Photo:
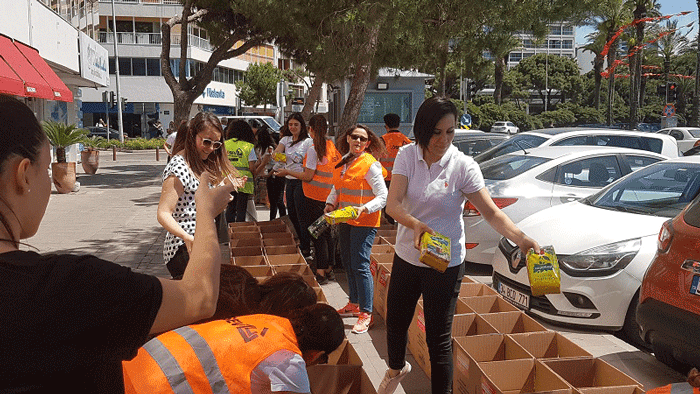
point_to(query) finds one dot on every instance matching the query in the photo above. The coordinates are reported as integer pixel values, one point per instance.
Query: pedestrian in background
(432, 180)
(358, 181)
(393, 141)
(172, 135)
(200, 149)
(317, 179)
(68, 321)
(264, 146)
(275, 184)
(294, 146)
(241, 153)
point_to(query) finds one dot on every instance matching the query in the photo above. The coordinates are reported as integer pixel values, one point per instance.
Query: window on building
(527, 43)
(567, 44)
(567, 30)
(124, 27)
(112, 65)
(515, 57)
(153, 67)
(554, 44)
(138, 66)
(175, 66)
(555, 30)
(125, 66)
(144, 27)
(377, 104)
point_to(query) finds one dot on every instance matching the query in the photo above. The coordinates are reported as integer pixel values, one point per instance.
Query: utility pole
(120, 123)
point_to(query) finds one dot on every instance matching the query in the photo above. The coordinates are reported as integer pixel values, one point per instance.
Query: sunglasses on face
(206, 142)
(359, 137)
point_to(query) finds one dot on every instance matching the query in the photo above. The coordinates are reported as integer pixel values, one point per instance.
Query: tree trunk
(312, 98)
(695, 116)
(636, 67)
(598, 68)
(499, 70)
(363, 70)
(442, 66)
(611, 81)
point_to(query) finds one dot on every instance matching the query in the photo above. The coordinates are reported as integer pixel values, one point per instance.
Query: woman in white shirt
(294, 146)
(430, 184)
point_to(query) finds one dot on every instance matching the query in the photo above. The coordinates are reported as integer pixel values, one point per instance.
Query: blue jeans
(355, 248)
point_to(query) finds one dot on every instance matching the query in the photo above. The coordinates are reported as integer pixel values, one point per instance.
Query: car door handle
(568, 198)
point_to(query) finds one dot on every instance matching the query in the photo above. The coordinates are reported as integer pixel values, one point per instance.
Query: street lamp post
(116, 69)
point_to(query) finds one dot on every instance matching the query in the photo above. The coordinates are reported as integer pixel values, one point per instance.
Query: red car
(669, 299)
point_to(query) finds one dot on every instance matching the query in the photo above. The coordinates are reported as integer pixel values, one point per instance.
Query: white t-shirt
(436, 196)
(312, 158)
(282, 371)
(171, 139)
(295, 153)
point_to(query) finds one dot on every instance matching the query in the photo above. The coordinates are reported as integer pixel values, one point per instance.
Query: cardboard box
(520, 376)
(272, 227)
(375, 259)
(589, 372)
(345, 354)
(513, 322)
(488, 304)
(339, 379)
(383, 232)
(462, 309)
(381, 289)
(249, 260)
(320, 297)
(278, 235)
(262, 279)
(471, 324)
(383, 248)
(475, 290)
(241, 234)
(311, 280)
(288, 249)
(259, 270)
(389, 239)
(243, 242)
(610, 390)
(468, 279)
(468, 352)
(549, 344)
(246, 251)
(300, 269)
(279, 241)
(242, 225)
(286, 259)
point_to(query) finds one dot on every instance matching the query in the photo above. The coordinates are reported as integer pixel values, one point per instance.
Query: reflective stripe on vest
(393, 141)
(675, 388)
(238, 153)
(354, 190)
(320, 186)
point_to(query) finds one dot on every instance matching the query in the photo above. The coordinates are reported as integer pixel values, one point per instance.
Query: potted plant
(90, 156)
(61, 136)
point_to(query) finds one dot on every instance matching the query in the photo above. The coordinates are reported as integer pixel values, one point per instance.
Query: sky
(667, 7)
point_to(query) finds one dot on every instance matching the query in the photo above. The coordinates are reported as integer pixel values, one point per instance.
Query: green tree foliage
(561, 75)
(260, 84)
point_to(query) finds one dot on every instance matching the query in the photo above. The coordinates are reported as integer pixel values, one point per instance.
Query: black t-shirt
(68, 321)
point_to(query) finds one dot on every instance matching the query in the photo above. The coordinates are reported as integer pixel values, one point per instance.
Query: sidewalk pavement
(113, 216)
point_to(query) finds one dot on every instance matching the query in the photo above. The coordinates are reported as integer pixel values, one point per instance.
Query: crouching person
(247, 354)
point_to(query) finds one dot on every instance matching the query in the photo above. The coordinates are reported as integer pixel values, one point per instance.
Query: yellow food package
(279, 157)
(543, 272)
(435, 251)
(341, 215)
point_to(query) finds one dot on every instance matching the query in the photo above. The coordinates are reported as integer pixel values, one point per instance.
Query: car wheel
(666, 357)
(631, 328)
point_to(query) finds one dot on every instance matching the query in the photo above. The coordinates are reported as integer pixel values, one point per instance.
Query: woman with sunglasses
(358, 181)
(199, 149)
(294, 146)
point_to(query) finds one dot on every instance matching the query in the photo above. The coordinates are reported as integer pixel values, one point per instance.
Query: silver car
(528, 181)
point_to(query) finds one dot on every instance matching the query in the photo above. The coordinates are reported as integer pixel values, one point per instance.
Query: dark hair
(181, 131)
(392, 121)
(320, 126)
(239, 293)
(240, 130)
(264, 140)
(429, 114)
(376, 147)
(254, 123)
(217, 164)
(284, 131)
(318, 327)
(20, 135)
(303, 133)
(285, 292)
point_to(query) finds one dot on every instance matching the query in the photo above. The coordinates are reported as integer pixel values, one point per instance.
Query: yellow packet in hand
(435, 251)
(279, 157)
(543, 272)
(341, 215)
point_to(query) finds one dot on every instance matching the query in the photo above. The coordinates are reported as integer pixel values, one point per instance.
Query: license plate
(695, 285)
(518, 298)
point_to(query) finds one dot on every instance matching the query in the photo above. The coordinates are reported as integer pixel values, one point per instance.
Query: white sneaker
(389, 384)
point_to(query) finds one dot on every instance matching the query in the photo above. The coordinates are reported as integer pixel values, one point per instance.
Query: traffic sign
(465, 121)
(669, 110)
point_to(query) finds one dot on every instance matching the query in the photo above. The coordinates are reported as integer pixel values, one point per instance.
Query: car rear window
(517, 143)
(624, 141)
(694, 132)
(506, 167)
(692, 215)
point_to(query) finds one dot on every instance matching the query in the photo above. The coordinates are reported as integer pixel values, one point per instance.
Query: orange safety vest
(217, 356)
(354, 190)
(675, 388)
(320, 186)
(393, 140)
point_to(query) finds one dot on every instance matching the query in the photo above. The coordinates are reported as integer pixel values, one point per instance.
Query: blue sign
(465, 120)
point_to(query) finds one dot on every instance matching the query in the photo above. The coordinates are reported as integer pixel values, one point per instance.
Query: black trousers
(324, 245)
(176, 266)
(295, 207)
(236, 209)
(440, 292)
(275, 191)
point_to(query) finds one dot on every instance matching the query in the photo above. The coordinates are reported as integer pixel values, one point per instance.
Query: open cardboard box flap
(339, 379)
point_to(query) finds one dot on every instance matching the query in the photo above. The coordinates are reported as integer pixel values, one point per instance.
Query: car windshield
(516, 143)
(506, 167)
(272, 123)
(694, 132)
(662, 189)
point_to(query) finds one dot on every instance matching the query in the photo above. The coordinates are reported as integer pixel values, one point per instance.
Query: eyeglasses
(359, 137)
(209, 143)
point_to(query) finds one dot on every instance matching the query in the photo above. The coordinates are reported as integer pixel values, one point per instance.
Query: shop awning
(60, 90)
(34, 84)
(9, 81)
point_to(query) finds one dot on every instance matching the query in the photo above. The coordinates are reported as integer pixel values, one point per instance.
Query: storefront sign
(93, 61)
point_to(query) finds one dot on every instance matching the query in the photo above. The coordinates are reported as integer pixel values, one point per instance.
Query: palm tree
(696, 99)
(670, 44)
(61, 136)
(500, 44)
(595, 45)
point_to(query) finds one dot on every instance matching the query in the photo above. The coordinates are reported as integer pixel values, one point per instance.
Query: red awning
(9, 81)
(34, 84)
(60, 90)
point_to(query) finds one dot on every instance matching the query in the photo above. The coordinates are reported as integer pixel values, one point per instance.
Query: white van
(269, 120)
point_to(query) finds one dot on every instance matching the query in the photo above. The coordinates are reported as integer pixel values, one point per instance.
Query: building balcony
(166, 2)
(130, 38)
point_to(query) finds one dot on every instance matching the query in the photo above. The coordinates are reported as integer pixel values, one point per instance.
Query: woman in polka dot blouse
(201, 150)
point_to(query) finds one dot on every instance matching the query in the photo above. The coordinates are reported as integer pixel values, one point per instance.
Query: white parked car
(686, 137)
(523, 183)
(504, 127)
(604, 244)
(568, 136)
